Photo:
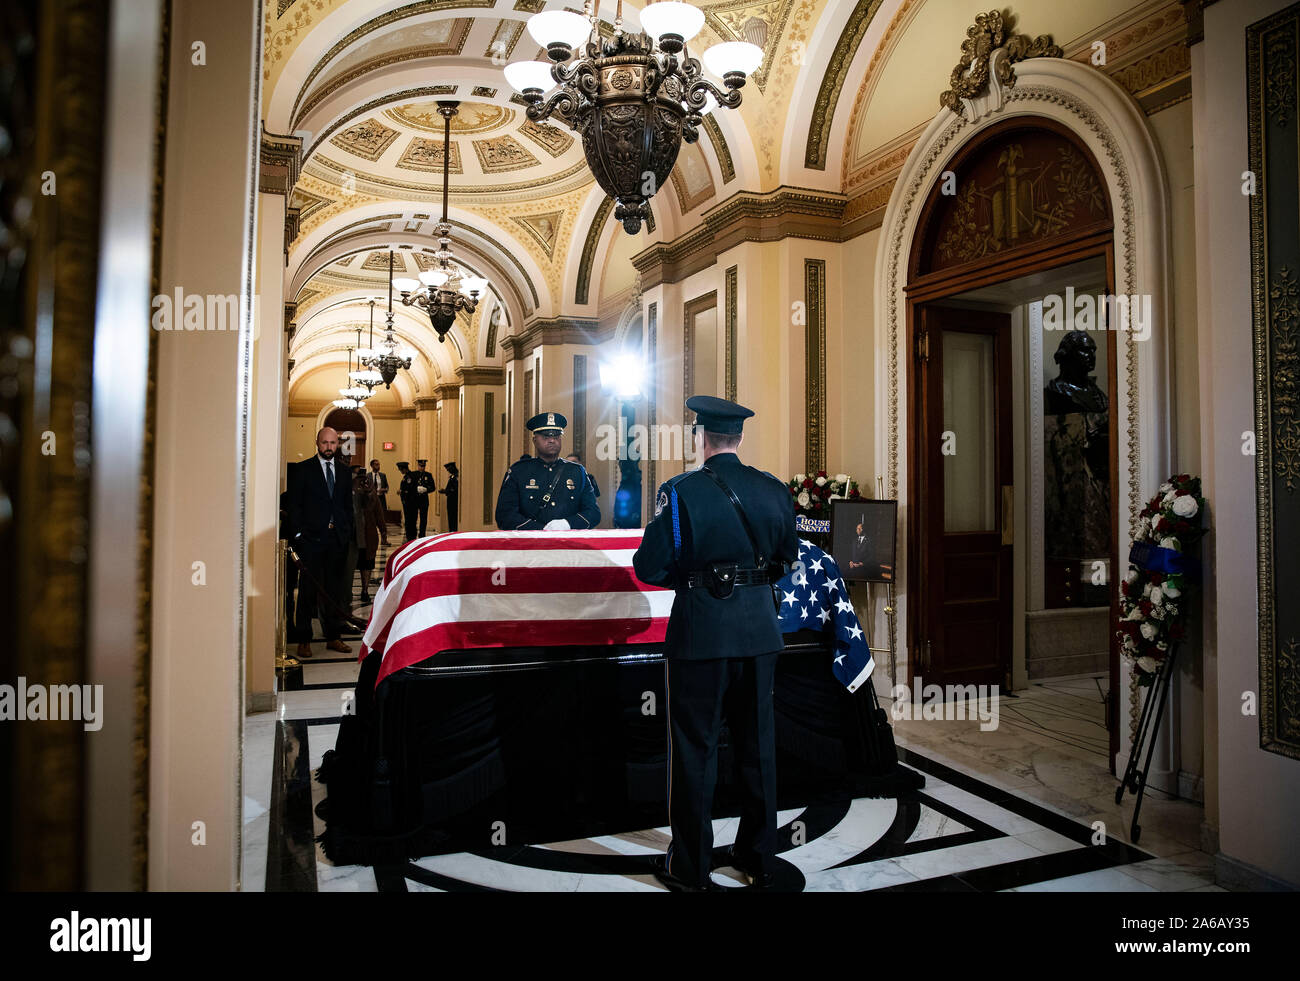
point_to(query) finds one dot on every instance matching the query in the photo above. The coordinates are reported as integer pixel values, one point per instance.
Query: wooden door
(966, 505)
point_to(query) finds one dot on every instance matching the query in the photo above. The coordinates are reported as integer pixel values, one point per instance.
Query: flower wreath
(814, 493)
(1153, 597)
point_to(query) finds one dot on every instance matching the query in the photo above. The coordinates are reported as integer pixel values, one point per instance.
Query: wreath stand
(1148, 725)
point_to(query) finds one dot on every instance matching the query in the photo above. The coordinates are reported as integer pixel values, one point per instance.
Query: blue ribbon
(1155, 558)
(677, 527)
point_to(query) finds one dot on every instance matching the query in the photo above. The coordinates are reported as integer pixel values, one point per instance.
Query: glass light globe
(732, 56)
(559, 27)
(369, 375)
(433, 277)
(473, 284)
(525, 75)
(405, 285)
(672, 17)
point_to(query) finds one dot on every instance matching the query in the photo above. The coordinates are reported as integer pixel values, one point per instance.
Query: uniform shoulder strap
(740, 510)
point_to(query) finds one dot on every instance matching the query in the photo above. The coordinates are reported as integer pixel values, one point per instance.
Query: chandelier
(631, 97)
(387, 358)
(354, 395)
(444, 290)
(366, 377)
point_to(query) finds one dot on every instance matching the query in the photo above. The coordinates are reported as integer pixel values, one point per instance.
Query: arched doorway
(1099, 117)
(1000, 442)
(350, 424)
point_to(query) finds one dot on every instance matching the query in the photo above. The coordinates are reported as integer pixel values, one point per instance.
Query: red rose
(1157, 578)
(821, 473)
(1145, 607)
(853, 493)
(808, 482)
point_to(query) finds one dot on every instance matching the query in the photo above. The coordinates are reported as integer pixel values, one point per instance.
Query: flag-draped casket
(519, 677)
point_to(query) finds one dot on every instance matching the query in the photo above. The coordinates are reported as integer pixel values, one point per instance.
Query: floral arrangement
(1153, 603)
(814, 493)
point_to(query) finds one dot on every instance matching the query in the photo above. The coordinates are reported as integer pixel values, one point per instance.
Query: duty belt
(744, 577)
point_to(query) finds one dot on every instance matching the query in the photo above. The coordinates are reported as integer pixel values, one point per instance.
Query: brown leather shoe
(304, 650)
(338, 645)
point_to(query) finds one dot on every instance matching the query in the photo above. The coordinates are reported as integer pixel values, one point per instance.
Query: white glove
(557, 524)
(424, 490)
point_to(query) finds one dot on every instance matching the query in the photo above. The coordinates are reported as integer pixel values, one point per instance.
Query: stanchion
(283, 660)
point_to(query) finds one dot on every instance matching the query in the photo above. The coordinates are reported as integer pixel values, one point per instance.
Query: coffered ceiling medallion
(368, 139)
(474, 117)
(550, 138)
(502, 154)
(424, 154)
(545, 228)
(379, 260)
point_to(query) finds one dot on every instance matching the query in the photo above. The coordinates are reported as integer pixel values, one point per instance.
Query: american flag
(512, 589)
(814, 597)
(467, 590)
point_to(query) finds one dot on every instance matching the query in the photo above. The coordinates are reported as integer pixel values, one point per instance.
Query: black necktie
(329, 477)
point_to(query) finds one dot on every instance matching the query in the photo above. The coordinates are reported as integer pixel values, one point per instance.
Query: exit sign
(389, 446)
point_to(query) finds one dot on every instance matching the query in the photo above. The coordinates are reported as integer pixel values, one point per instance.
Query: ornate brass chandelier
(446, 290)
(631, 97)
(353, 396)
(387, 358)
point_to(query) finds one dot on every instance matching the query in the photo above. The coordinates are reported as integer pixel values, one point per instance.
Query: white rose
(803, 499)
(820, 481)
(1134, 614)
(1148, 664)
(1170, 496)
(1170, 543)
(842, 478)
(1128, 644)
(1172, 590)
(1162, 645)
(1166, 486)
(799, 478)
(1155, 595)
(1132, 576)
(1148, 631)
(1155, 521)
(1185, 506)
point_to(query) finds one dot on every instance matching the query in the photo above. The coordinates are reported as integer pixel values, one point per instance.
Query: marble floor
(1028, 806)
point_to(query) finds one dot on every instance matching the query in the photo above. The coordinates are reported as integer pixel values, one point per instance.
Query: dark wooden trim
(690, 310)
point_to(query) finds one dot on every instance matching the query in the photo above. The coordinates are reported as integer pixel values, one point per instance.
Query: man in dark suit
(406, 493)
(858, 556)
(452, 490)
(721, 535)
(545, 493)
(319, 507)
(381, 489)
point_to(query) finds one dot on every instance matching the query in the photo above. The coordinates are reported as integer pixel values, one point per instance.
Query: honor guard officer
(545, 492)
(424, 486)
(721, 535)
(406, 493)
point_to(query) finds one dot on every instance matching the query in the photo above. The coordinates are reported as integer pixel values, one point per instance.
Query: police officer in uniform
(721, 535)
(424, 486)
(406, 493)
(544, 492)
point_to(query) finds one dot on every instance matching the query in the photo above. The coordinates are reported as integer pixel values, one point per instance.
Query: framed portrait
(864, 536)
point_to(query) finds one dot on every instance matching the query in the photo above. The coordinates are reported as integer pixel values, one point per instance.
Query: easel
(1148, 726)
(890, 611)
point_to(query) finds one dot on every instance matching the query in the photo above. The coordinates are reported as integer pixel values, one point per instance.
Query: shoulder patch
(661, 503)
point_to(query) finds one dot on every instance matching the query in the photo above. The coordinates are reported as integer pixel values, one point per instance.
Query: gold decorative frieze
(502, 154)
(761, 23)
(549, 137)
(367, 140)
(426, 155)
(379, 260)
(471, 117)
(544, 228)
(504, 39)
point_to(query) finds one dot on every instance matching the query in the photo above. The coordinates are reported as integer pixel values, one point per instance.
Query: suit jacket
(701, 626)
(311, 508)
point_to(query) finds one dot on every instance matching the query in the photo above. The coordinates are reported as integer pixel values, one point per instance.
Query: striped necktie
(329, 477)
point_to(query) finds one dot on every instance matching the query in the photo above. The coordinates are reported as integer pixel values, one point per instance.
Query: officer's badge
(661, 503)
(532, 483)
(569, 483)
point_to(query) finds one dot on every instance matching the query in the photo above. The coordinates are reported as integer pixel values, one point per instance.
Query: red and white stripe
(512, 589)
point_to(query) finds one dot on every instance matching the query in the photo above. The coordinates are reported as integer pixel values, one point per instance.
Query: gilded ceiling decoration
(544, 228)
(379, 260)
(767, 124)
(761, 23)
(550, 138)
(307, 203)
(504, 39)
(367, 140)
(346, 260)
(424, 154)
(691, 178)
(472, 117)
(502, 154)
(483, 92)
(530, 6)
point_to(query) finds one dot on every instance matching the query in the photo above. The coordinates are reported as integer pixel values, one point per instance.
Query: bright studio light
(622, 377)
